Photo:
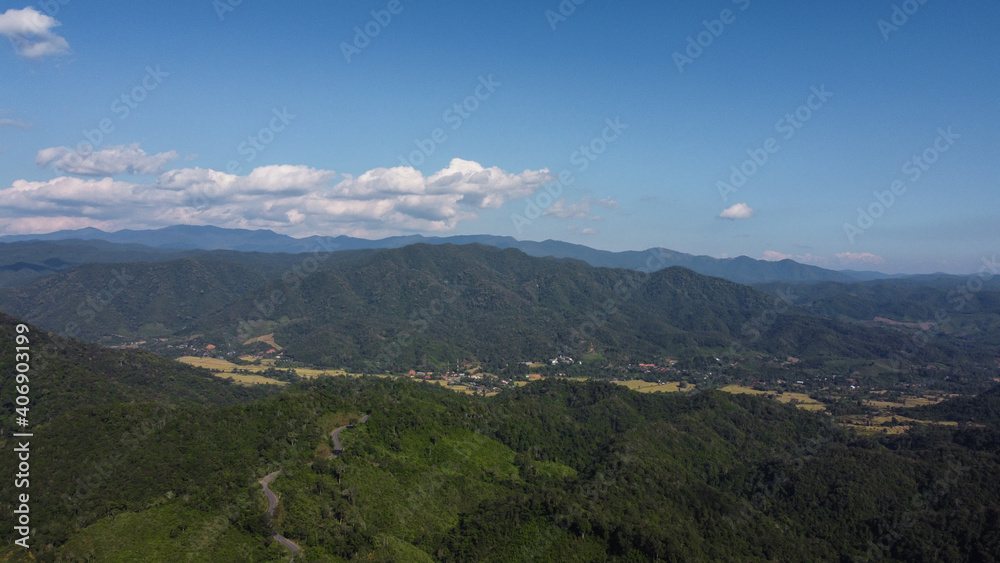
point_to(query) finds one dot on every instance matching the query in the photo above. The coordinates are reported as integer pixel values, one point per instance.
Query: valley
(503, 404)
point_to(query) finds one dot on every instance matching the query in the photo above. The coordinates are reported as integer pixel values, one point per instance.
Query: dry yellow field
(266, 339)
(804, 402)
(250, 379)
(881, 429)
(208, 363)
(228, 370)
(224, 365)
(907, 420)
(647, 387)
(907, 402)
(736, 389)
(456, 388)
(310, 373)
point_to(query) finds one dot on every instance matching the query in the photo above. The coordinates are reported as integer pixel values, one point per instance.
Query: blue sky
(281, 116)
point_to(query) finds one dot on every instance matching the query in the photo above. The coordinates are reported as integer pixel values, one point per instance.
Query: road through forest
(272, 499)
(272, 504)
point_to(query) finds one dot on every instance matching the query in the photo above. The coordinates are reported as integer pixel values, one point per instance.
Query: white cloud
(30, 32)
(589, 231)
(843, 258)
(737, 211)
(579, 210)
(296, 200)
(15, 123)
(110, 161)
(775, 256)
(859, 258)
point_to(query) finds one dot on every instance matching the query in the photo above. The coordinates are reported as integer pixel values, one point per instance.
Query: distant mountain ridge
(184, 237)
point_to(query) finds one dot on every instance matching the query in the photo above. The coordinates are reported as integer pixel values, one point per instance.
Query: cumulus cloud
(15, 123)
(775, 256)
(589, 231)
(110, 161)
(859, 258)
(842, 258)
(579, 210)
(296, 200)
(738, 211)
(30, 32)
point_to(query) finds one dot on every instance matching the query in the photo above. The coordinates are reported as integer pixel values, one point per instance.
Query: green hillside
(557, 471)
(67, 374)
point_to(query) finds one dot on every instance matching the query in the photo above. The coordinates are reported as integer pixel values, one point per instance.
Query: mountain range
(182, 237)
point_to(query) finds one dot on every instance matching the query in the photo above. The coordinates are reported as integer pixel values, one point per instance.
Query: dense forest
(556, 470)
(434, 306)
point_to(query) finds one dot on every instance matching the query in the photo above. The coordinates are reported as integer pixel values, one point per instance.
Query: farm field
(227, 370)
(802, 400)
(244, 379)
(266, 339)
(457, 388)
(647, 387)
(906, 402)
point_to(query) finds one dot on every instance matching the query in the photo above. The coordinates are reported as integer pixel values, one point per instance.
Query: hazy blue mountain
(741, 270)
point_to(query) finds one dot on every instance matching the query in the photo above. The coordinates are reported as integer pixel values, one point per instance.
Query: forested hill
(435, 305)
(66, 374)
(980, 409)
(555, 471)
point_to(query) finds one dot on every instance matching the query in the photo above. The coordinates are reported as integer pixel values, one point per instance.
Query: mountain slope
(433, 305)
(66, 373)
(557, 470)
(121, 302)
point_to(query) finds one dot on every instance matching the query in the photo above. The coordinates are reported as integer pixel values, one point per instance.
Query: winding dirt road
(272, 504)
(272, 499)
(335, 435)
